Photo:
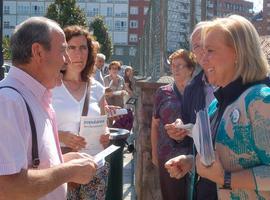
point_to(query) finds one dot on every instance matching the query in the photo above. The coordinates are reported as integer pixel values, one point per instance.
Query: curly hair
(187, 56)
(74, 31)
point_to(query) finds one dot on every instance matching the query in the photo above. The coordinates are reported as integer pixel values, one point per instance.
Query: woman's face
(180, 70)
(114, 70)
(78, 53)
(129, 73)
(219, 59)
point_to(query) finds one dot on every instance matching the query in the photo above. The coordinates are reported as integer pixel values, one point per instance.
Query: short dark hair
(32, 30)
(74, 31)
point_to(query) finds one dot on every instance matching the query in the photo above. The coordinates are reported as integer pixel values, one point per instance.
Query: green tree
(6, 48)
(100, 31)
(66, 13)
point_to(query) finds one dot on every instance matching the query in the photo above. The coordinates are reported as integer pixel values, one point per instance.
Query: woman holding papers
(78, 89)
(166, 109)
(240, 114)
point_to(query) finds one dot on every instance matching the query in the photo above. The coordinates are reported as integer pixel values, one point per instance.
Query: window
(134, 10)
(133, 38)
(6, 10)
(37, 9)
(6, 24)
(132, 51)
(109, 11)
(93, 12)
(133, 24)
(145, 10)
(119, 51)
(120, 25)
(25, 10)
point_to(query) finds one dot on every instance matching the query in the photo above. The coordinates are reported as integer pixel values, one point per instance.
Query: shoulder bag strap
(86, 99)
(35, 156)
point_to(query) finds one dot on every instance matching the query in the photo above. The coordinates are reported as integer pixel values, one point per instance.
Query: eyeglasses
(114, 68)
(181, 66)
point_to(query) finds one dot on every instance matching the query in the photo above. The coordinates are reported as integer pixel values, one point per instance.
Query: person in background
(99, 64)
(167, 99)
(115, 85)
(129, 83)
(240, 114)
(68, 101)
(197, 96)
(39, 53)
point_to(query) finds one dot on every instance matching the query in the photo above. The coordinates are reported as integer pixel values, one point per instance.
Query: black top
(193, 99)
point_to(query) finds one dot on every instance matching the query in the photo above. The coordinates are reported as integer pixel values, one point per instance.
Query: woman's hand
(179, 166)
(174, 132)
(215, 172)
(104, 138)
(124, 92)
(72, 140)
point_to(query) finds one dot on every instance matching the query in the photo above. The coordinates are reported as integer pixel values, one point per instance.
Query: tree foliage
(6, 48)
(66, 13)
(100, 31)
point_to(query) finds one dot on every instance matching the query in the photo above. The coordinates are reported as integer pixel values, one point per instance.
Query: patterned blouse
(167, 108)
(243, 141)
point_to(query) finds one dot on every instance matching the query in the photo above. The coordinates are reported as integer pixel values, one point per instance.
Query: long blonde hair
(241, 35)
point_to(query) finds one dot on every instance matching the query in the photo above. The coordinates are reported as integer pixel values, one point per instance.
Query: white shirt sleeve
(98, 90)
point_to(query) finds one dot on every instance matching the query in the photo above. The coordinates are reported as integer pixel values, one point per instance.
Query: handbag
(125, 121)
(71, 185)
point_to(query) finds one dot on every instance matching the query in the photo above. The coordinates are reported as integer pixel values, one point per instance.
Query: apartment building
(137, 14)
(262, 19)
(115, 13)
(223, 8)
(138, 10)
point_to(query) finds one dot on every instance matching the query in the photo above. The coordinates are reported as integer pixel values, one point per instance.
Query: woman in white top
(68, 101)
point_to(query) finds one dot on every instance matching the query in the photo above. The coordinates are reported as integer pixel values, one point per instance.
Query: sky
(258, 4)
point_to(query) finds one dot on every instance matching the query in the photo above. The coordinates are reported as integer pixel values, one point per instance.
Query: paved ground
(128, 187)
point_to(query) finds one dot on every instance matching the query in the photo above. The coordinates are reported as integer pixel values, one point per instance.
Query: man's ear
(37, 52)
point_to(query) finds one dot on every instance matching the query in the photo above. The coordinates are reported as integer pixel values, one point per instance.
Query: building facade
(137, 14)
(115, 13)
(138, 10)
(221, 8)
(262, 19)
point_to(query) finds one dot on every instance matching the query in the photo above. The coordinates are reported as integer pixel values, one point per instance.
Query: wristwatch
(227, 180)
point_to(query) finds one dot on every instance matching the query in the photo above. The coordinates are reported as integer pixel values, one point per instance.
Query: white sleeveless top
(69, 110)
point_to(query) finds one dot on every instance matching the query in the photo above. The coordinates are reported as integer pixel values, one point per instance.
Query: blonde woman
(240, 114)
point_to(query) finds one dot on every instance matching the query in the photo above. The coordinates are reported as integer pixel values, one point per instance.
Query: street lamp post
(2, 70)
